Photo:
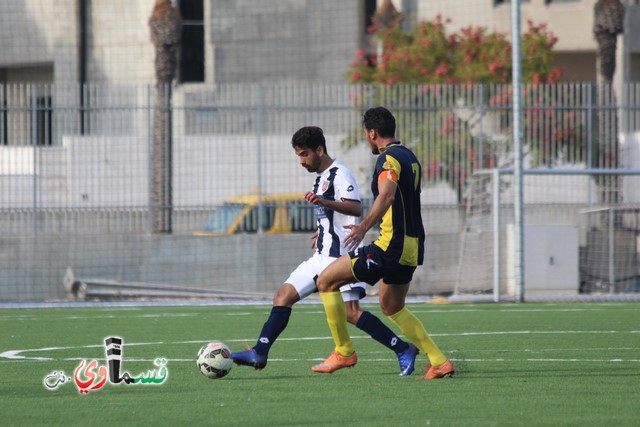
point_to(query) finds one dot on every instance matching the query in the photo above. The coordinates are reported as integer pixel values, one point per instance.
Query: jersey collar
(386, 147)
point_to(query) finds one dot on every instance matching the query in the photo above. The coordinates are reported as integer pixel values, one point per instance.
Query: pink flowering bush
(428, 54)
(440, 83)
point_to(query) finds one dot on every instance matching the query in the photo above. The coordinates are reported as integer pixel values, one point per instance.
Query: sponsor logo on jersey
(320, 211)
(370, 261)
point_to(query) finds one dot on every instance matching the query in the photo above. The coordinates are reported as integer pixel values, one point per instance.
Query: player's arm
(386, 196)
(343, 206)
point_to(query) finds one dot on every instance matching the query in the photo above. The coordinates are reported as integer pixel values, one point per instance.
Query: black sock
(380, 332)
(275, 324)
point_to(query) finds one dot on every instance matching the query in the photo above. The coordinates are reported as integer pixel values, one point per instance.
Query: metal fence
(77, 171)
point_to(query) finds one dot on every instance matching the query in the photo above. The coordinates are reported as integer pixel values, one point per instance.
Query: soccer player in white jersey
(337, 204)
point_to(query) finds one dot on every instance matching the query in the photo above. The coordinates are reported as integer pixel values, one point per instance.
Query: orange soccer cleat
(336, 361)
(445, 370)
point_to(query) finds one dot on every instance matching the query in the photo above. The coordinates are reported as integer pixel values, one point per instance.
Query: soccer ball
(214, 360)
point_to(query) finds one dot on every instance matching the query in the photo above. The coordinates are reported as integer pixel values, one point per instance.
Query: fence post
(259, 131)
(34, 143)
(516, 88)
(496, 234)
(590, 112)
(149, 162)
(612, 248)
(480, 153)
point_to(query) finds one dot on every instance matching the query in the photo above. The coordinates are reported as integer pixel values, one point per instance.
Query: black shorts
(369, 265)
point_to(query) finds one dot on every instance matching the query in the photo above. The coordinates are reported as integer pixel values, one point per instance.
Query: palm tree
(386, 15)
(165, 25)
(608, 23)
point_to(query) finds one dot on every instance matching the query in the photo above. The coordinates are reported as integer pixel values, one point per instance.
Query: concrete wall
(249, 41)
(120, 49)
(283, 40)
(630, 158)
(33, 263)
(37, 32)
(245, 40)
(33, 268)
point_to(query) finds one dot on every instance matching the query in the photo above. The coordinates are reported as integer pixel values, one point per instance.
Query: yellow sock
(337, 320)
(413, 329)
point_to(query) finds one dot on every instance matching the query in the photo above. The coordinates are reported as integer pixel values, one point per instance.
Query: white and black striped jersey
(335, 183)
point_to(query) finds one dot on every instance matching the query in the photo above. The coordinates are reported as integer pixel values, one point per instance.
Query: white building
(107, 41)
(570, 20)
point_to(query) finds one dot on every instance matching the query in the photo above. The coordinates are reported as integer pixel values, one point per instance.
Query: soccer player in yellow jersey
(390, 260)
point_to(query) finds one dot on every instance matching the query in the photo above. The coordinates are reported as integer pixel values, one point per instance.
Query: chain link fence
(206, 195)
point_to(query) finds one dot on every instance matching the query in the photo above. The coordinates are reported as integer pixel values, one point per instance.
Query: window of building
(26, 115)
(369, 10)
(192, 50)
(43, 119)
(4, 116)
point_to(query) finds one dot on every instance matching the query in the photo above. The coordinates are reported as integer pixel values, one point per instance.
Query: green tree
(428, 54)
(443, 85)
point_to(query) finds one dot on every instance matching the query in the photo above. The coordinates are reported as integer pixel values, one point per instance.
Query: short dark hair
(381, 120)
(309, 137)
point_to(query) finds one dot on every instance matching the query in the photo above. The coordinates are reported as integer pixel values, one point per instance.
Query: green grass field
(518, 364)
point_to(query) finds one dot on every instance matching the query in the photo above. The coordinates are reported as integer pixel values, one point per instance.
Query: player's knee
(353, 312)
(384, 311)
(322, 284)
(353, 318)
(285, 296)
(389, 309)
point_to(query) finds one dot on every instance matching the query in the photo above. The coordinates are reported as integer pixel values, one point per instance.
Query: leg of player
(372, 325)
(338, 273)
(392, 298)
(257, 356)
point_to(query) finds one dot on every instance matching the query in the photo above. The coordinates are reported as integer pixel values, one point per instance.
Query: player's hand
(313, 198)
(354, 238)
(314, 239)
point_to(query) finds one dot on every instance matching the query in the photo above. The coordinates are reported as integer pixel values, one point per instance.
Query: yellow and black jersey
(401, 231)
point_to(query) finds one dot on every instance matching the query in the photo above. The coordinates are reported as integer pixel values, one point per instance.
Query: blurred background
(145, 146)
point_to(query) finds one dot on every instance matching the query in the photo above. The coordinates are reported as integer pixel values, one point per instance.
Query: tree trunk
(608, 23)
(161, 167)
(165, 25)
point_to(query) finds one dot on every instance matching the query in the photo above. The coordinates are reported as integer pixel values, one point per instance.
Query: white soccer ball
(214, 360)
